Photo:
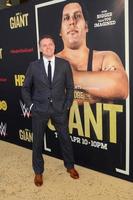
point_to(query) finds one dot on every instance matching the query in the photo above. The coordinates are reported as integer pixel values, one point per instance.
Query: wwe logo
(25, 110)
(3, 129)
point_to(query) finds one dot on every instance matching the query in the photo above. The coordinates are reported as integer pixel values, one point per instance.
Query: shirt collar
(46, 59)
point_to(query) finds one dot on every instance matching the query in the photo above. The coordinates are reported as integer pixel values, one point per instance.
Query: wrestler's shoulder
(104, 53)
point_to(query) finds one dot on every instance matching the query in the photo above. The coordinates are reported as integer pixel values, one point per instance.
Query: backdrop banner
(99, 122)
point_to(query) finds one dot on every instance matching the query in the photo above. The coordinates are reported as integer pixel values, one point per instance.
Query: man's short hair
(46, 36)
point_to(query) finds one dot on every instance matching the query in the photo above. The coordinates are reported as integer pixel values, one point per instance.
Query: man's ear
(40, 49)
(86, 27)
(60, 34)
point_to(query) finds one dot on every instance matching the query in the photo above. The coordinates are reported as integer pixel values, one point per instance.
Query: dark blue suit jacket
(37, 90)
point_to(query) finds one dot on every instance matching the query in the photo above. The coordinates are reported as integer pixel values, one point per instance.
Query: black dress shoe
(73, 173)
(38, 180)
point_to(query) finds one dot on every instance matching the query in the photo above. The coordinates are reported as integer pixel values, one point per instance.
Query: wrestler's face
(47, 47)
(73, 26)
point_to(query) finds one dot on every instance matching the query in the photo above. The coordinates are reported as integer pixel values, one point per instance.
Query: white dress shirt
(46, 62)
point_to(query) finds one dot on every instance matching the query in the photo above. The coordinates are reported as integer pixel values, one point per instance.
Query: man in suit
(48, 91)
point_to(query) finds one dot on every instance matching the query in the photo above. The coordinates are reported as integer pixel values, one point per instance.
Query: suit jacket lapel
(43, 72)
(56, 71)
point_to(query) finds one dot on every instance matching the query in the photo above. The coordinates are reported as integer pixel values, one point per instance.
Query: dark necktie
(49, 71)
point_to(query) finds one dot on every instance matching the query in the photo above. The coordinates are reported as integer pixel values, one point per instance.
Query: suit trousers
(39, 124)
